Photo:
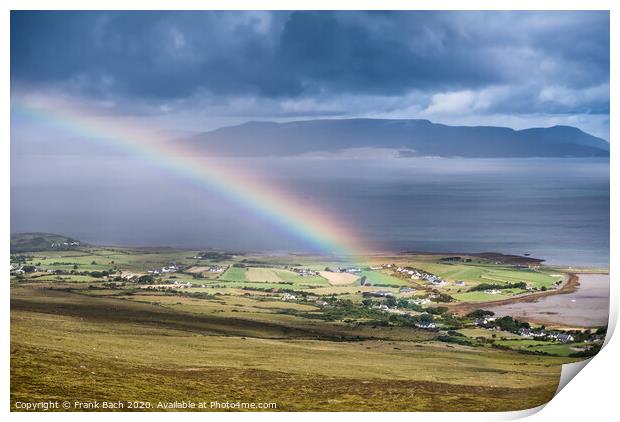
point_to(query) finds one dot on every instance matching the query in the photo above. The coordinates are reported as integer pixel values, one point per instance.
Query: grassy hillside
(105, 348)
(34, 242)
(101, 324)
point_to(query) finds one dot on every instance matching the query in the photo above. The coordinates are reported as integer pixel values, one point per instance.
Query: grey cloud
(520, 62)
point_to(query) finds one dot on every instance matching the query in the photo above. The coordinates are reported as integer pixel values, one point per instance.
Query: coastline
(569, 285)
(582, 301)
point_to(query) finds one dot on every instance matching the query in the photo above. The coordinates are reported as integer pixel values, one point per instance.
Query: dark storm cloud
(519, 62)
(375, 53)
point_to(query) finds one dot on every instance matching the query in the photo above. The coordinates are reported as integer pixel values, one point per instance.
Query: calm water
(557, 209)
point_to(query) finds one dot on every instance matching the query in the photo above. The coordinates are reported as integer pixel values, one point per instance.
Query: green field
(483, 272)
(558, 349)
(234, 274)
(382, 278)
(281, 275)
(485, 297)
(259, 332)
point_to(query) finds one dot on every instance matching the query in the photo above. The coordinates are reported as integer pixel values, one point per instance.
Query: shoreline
(569, 285)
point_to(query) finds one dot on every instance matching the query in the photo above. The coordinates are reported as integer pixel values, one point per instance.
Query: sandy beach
(583, 302)
(569, 285)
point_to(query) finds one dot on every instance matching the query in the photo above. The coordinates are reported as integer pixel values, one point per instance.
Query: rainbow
(319, 230)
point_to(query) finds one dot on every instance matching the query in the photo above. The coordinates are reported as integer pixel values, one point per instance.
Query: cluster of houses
(164, 270)
(305, 272)
(314, 299)
(420, 301)
(381, 267)
(175, 285)
(492, 291)
(383, 307)
(421, 275)
(350, 270)
(216, 269)
(528, 332)
(64, 244)
(17, 269)
(489, 324)
(426, 325)
(542, 334)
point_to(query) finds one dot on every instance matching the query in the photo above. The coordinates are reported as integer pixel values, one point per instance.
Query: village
(379, 293)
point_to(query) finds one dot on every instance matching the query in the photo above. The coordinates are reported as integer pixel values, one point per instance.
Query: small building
(565, 338)
(492, 291)
(420, 301)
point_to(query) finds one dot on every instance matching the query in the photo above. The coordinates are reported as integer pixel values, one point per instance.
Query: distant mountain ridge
(411, 137)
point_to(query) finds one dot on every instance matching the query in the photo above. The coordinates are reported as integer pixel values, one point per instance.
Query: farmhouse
(352, 270)
(305, 272)
(487, 323)
(383, 293)
(164, 270)
(19, 270)
(175, 285)
(564, 338)
(492, 291)
(421, 301)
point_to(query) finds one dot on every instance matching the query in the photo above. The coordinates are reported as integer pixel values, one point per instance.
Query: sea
(556, 209)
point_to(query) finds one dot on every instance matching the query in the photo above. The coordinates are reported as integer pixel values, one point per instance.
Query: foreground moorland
(404, 332)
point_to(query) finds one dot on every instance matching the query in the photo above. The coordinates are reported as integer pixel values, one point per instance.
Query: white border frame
(590, 396)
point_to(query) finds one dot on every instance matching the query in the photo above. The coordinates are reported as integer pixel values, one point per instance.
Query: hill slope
(34, 242)
(412, 137)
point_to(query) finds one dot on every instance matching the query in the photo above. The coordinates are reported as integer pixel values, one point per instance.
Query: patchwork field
(155, 325)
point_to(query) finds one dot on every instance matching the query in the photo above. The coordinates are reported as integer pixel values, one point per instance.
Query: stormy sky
(200, 70)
